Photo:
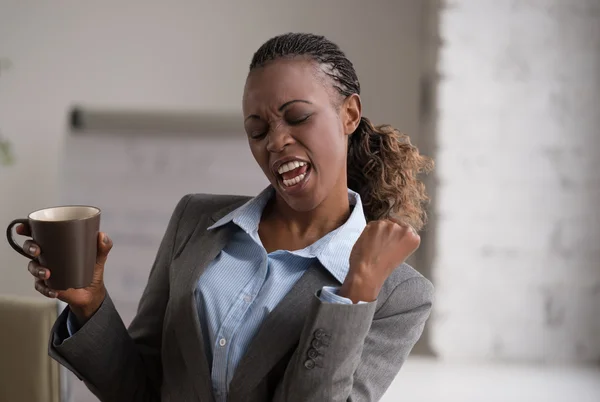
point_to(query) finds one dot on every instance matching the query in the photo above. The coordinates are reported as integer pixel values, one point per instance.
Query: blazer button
(317, 344)
(319, 333)
(313, 354)
(309, 364)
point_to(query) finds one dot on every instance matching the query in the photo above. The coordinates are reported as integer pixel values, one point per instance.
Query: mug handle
(11, 240)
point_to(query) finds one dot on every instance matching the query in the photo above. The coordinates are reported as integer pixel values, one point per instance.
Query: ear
(351, 113)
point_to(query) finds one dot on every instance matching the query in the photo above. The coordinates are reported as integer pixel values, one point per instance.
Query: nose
(279, 138)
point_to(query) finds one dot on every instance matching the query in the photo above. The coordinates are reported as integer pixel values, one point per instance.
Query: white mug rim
(96, 213)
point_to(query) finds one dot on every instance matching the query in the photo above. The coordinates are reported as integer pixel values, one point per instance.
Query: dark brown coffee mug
(68, 239)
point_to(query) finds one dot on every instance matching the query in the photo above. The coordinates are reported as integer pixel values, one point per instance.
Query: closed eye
(258, 135)
(299, 121)
(256, 128)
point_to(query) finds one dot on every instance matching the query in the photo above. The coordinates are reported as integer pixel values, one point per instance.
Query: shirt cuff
(72, 326)
(329, 294)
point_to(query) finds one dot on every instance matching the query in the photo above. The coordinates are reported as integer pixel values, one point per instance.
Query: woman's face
(297, 127)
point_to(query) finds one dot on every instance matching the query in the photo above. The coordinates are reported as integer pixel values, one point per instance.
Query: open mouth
(293, 174)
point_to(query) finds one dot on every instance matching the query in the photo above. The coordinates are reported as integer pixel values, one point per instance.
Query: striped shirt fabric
(244, 283)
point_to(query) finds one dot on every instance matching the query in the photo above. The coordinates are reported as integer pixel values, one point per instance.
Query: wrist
(84, 312)
(359, 287)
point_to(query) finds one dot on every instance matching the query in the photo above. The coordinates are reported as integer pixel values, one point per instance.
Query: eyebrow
(286, 104)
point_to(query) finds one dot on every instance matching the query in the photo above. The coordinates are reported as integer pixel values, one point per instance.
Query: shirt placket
(225, 337)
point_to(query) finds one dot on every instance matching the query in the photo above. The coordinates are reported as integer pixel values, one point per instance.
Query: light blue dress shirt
(244, 284)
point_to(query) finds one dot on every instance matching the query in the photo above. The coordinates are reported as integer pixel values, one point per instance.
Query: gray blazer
(161, 357)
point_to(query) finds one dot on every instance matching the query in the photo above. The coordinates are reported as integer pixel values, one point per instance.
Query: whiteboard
(137, 181)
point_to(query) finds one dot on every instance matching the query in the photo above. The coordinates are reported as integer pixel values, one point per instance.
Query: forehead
(283, 80)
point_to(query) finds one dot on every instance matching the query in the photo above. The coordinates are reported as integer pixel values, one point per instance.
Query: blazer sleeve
(345, 354)
(118, 364)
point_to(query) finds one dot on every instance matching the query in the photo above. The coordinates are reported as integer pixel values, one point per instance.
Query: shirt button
(222, 342)
(247, 298)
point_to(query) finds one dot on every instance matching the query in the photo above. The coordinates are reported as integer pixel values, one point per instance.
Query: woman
(288, 296)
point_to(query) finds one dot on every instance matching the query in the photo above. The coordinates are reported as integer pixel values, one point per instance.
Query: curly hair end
(383, 167)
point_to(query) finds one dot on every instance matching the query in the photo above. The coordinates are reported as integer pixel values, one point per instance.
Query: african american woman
(301, 293)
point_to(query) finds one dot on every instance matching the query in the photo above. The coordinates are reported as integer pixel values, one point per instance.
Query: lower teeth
(295, 180)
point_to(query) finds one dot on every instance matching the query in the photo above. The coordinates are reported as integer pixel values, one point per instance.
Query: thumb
(104, 246)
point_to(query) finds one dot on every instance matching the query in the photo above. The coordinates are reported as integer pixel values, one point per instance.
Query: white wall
(169, 54)
(518, 238)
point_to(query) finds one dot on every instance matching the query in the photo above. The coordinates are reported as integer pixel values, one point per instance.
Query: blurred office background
(504, 94)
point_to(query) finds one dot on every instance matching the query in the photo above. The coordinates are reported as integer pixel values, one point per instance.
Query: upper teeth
(286, 167)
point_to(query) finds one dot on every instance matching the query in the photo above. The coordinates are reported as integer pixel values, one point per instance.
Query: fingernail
(105, 239)
(41, 273)
(32, 250)
(52, 293)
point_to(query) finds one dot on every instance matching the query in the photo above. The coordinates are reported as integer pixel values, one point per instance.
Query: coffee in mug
(68, 239)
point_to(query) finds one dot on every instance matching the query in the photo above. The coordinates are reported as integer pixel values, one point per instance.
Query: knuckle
(380, 225)
(414, 239)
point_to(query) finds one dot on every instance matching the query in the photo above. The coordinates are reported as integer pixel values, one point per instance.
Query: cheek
(260, 154)
(329, 143)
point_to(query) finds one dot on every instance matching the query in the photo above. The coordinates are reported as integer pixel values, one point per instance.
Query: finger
(412, 230)
(41, 287)
(400, 224)
(104, 246)
(37, 270)
(31, 248)
(23, 230)
(403, 224)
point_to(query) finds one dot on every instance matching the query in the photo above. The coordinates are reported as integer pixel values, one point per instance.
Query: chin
(305, 200)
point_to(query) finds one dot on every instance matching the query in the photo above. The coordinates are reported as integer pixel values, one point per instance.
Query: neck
(327, 216)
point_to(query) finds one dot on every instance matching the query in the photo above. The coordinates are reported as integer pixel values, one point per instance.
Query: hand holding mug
(84, 302)
(67, 255)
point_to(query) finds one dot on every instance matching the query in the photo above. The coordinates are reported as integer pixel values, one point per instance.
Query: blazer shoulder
(403, 273)
(194, 208)
(412, 288)
(195, 211)
(199, 206)
(210, 204)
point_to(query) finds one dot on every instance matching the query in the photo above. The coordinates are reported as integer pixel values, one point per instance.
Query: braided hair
(382, 164)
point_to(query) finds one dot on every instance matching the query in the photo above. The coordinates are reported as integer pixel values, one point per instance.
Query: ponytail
(382, 168)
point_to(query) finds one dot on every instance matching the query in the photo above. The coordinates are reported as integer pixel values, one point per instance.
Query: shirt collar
(247, 217)
(332, 250)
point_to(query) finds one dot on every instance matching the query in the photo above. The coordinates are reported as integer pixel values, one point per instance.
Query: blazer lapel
(279, 332)
(204, 245)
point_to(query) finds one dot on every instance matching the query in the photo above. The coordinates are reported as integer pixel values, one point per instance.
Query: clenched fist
(380, 249)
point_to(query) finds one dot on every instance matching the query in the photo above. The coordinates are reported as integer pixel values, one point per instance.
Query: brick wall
(517, 264)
